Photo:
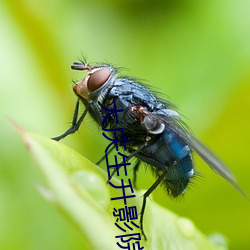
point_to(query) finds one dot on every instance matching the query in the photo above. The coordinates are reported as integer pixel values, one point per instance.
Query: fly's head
(95, 81)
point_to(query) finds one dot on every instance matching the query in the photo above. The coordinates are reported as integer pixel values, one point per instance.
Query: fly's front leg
(75, 123)
(97, 113)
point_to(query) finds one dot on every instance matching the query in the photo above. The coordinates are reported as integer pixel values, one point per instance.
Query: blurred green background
(196, 52)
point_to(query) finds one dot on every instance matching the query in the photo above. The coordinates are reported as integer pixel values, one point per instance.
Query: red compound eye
(97, 79)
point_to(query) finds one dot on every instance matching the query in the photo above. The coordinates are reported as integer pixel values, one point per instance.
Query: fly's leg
(145, 196)
(96, 112)
(105, 156)
(75, 124)
(136, 167)
(129, 157)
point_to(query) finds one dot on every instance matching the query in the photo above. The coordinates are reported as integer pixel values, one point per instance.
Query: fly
(156, 134)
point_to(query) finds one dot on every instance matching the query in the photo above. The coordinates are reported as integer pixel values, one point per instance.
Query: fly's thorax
(154, 122)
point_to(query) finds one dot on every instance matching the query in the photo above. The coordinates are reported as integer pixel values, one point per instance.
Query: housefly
(155, 133)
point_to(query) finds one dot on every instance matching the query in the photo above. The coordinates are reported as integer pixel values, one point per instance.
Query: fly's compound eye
(97, 79)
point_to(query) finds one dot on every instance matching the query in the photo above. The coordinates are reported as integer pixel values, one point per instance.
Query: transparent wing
(207, 155)
(175, 124)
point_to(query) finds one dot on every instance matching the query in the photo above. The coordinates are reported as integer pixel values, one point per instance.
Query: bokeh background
(195, 52)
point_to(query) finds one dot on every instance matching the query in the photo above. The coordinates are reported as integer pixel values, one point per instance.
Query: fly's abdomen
(172, 156)
(180, 166)
(178, 176)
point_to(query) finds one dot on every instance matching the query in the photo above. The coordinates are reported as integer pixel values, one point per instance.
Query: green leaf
(78, 189)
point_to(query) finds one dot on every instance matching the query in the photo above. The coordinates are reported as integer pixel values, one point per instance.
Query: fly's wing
(212, 160)
(175, 124)
(208, 156)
